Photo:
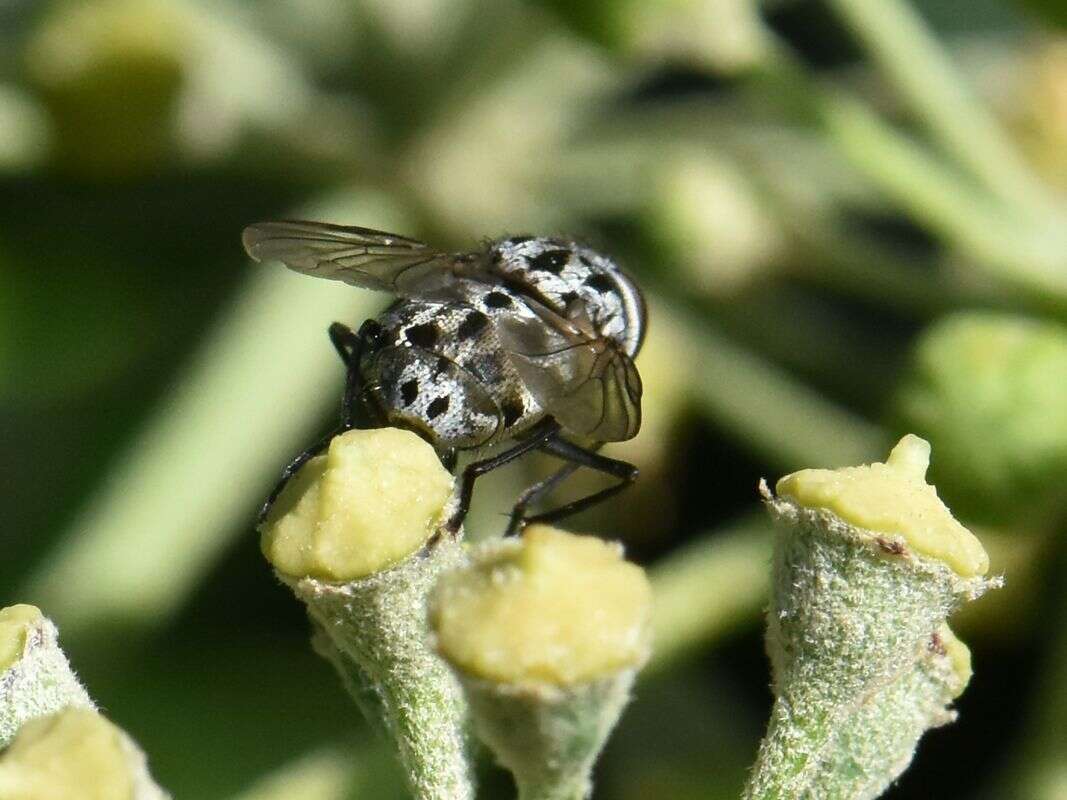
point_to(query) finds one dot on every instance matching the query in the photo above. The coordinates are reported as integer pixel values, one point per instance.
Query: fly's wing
(357, 256)
(584, 380)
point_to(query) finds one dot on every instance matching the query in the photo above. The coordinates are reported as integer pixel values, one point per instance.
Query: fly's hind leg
(576, 457)
(534, 493)
(538, 435)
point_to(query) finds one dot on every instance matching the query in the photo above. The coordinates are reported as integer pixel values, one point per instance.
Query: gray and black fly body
(530, 341)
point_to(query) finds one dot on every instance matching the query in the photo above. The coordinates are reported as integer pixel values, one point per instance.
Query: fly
(530, 341)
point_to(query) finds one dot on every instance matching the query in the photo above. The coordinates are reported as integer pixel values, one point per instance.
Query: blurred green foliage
(109, 74)
(988, 391)
(849, 219)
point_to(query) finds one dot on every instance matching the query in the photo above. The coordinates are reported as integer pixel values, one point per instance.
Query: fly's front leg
(346, 341)
(291, 469)
(350, 345)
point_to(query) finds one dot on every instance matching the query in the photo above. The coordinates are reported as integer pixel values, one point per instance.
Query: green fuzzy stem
(849, 634)
(877, 741)
(377, 629)
(356, 682)
(548, 737)
(39, 681)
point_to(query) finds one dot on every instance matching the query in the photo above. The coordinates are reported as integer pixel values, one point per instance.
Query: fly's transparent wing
(357, 256)
(582, 379)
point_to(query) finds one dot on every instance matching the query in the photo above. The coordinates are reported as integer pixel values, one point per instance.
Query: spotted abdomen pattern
(439, 369)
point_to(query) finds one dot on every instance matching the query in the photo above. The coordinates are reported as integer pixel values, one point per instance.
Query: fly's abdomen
(440, 370)
(431, 394)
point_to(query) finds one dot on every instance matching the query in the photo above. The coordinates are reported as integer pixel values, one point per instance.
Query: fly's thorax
(439, 369)
(562, 272)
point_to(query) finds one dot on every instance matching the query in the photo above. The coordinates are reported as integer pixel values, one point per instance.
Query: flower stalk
(547, 634)
(374, 632)
(548, 737)
(356, 537)
(867, 567)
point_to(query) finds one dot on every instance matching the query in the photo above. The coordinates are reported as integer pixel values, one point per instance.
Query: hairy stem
(377, 629)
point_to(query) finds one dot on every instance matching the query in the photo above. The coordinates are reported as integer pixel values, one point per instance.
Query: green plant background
(850, 220)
